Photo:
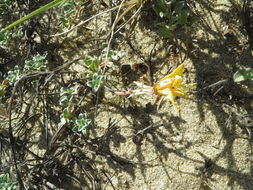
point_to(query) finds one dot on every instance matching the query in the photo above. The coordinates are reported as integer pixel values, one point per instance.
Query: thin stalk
(34, 13)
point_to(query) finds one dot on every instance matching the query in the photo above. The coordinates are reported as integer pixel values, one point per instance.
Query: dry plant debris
(61, 127)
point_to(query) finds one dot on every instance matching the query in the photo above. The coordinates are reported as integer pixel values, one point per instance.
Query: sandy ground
(206, 145)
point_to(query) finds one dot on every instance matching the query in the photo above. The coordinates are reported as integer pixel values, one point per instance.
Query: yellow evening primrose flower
(171, 86)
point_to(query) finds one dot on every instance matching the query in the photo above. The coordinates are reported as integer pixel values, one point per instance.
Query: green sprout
(37, 63)
(67, 15)
(97, 79)
(5, 37)
(14, 75)
(68, 95)
(96, 67)
(95, 73)
(243, 75)
(6, 183)
(92, 64)
(68, 100)
(171, 14)
(81, 123)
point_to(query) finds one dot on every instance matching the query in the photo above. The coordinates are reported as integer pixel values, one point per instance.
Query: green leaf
(192, 20)
(67, 114)
(81, 124)
(73, 99)
(96, 81)
(64, 101)
(34, 13)
(243, 74)
(92, 63)
(4, 37)
(182, 17)
(6, 183)
(166, 30)
(178, 6)
(37, 63)
(14, 75)
(160, 8)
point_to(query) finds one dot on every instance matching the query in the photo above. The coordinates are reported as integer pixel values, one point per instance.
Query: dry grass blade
(130, 5)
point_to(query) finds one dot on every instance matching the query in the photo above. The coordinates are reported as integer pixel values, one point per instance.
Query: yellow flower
(171, 86)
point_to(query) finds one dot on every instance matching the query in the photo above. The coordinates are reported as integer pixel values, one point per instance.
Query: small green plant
(92, 63)
(14, 75)
(37, 63)
(81, 123)
(97, 79)
(7, 36)
(110, 55)
(4, 38)
(172, 14)
(6, 183)
(67, 15)
(243, 75)
(68, 95)
(96, 66)
(68, 100)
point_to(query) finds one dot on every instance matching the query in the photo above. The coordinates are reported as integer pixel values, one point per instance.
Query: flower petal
(178, 71)
(167, 83)
(177, 81)
(164, 92)
(170, 97)
(179, 92)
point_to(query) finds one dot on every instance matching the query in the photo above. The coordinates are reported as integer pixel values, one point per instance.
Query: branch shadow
(217, 59)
